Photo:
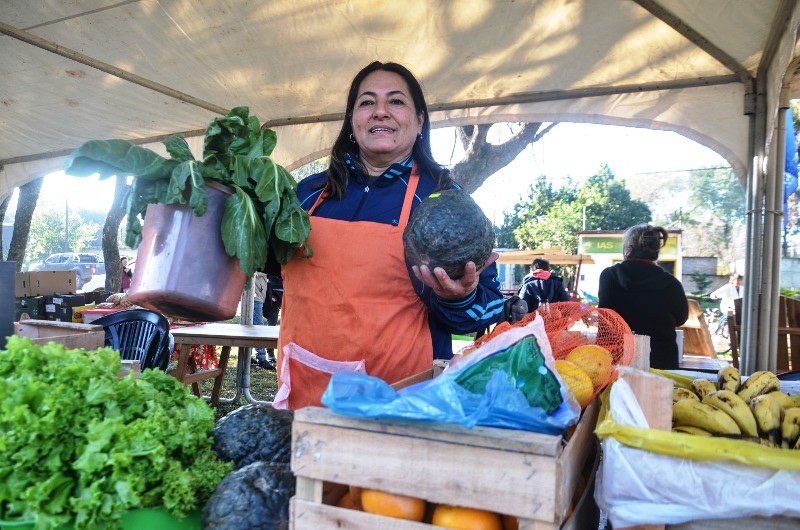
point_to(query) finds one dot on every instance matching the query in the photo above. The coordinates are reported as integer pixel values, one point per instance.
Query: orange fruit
(510, 522)
(347, 502)
(576, 380)
(392, 505)
(465, 518)
(596, 361)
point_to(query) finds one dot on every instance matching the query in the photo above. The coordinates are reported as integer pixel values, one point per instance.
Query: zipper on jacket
(360, 203)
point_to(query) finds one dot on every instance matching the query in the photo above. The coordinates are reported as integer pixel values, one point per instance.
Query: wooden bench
(788, 333)
(696, 336)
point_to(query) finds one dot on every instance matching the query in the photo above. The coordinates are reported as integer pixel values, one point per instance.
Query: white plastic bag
(636, 487)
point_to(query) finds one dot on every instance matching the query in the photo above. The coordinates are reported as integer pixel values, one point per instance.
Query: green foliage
(716, 213)
(701, 281)
(551, 217)
(78, 443)
(263, 212)
(48, 232)
(790, 293)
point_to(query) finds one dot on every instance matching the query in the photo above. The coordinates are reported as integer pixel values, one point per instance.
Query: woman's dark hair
(338, 173)
(643, 242)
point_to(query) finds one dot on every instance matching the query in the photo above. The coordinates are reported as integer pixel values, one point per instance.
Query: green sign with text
(613, 245)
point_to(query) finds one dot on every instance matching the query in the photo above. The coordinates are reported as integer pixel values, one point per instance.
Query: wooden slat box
(527, 475)
(71, 335)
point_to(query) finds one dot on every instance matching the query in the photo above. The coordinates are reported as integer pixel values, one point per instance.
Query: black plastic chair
(139, 334)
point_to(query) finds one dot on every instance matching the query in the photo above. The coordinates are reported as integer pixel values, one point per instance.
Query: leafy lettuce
(78, 444)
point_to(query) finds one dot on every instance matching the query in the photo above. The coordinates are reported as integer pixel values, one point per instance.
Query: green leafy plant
(80, 445)
(262, 213)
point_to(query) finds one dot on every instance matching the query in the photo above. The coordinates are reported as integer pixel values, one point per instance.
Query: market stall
(718, 72)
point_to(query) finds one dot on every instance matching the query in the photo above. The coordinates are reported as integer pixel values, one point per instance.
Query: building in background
(605, 248)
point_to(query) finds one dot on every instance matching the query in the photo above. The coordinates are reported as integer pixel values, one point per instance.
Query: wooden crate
(71, 335)
(527, 475)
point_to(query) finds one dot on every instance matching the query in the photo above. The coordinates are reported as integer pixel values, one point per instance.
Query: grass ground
(263, 385)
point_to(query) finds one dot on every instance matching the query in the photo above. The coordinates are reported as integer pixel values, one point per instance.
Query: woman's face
(385, 122)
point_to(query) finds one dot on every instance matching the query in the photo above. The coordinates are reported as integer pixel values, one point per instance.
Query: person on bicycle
(728, 293)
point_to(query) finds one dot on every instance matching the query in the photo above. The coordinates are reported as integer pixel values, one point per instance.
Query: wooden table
(225, 335)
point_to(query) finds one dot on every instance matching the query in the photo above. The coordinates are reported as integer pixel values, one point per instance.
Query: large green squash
(447, 230)
(252, 433)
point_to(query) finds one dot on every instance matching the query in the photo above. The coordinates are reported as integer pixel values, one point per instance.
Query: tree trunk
(26, 204)
(111, 236)
(3, 209)
(483, 159)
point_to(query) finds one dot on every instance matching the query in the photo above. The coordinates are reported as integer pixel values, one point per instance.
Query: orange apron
(353, 300)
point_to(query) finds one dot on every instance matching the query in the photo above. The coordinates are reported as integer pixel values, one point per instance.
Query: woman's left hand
(447, 288)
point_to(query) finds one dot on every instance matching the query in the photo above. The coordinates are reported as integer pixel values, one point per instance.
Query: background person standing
(126, 275)
(728, 293)
(260, 293)
(650, 300)
(541, 286)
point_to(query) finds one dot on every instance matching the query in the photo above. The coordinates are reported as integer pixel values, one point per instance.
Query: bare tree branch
(483, 159)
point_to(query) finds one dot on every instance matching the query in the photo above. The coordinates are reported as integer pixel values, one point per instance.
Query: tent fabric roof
(138, 70)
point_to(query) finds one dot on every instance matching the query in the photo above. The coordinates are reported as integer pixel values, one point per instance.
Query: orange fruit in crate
(465, 518)
(596, 361)
(576, 380)
(510, 522)
(392, 505)
(347, 502)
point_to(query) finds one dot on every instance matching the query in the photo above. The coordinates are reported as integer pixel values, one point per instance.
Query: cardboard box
(59, 306)
(52, 282)
(30, 307)
(77, 312)
(534, 477)
(22, 284)
(97, 297)
(71, 335)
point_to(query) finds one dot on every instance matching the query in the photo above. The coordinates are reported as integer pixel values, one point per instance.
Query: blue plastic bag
(510, 381)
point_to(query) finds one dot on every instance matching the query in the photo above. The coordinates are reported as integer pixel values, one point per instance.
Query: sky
(569, 150)
(577, 151)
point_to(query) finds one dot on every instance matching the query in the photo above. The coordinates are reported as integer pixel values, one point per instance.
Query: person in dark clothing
(541, 286)
(648, 298)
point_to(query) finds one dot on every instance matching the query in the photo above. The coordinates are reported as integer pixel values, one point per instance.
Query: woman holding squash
(357, 298)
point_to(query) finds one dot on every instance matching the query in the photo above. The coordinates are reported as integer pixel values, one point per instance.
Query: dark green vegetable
(78, 444)
(448, 230)
(255, 497)
(254, 433)
(263, 212)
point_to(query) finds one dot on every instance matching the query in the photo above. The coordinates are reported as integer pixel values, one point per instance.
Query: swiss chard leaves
(263, 215)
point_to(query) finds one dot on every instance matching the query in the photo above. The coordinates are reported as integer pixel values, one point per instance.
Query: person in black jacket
(648, 298)
(541, 286)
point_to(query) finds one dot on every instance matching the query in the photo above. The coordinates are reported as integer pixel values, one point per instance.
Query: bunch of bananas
(754, 410)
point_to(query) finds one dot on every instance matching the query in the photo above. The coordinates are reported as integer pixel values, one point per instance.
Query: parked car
(99, 280)
(86, 265)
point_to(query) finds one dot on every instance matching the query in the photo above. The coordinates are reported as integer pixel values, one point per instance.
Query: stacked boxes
(42, 283)
(59, 306)
(29, 308)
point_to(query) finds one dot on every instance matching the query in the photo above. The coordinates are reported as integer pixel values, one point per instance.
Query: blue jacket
(381, 202)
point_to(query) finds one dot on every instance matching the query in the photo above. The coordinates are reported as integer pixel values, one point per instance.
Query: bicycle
(718, 327)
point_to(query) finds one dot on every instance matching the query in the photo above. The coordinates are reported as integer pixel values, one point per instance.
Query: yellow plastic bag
(691, 446)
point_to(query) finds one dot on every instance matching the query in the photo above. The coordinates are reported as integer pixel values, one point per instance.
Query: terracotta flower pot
(182, 269)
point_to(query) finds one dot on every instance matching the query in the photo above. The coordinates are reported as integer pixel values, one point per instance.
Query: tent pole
(750, 323)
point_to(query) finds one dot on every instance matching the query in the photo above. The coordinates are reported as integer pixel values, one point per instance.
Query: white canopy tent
(716, 71)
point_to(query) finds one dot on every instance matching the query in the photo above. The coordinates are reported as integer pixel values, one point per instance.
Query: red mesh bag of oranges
(587, 343)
